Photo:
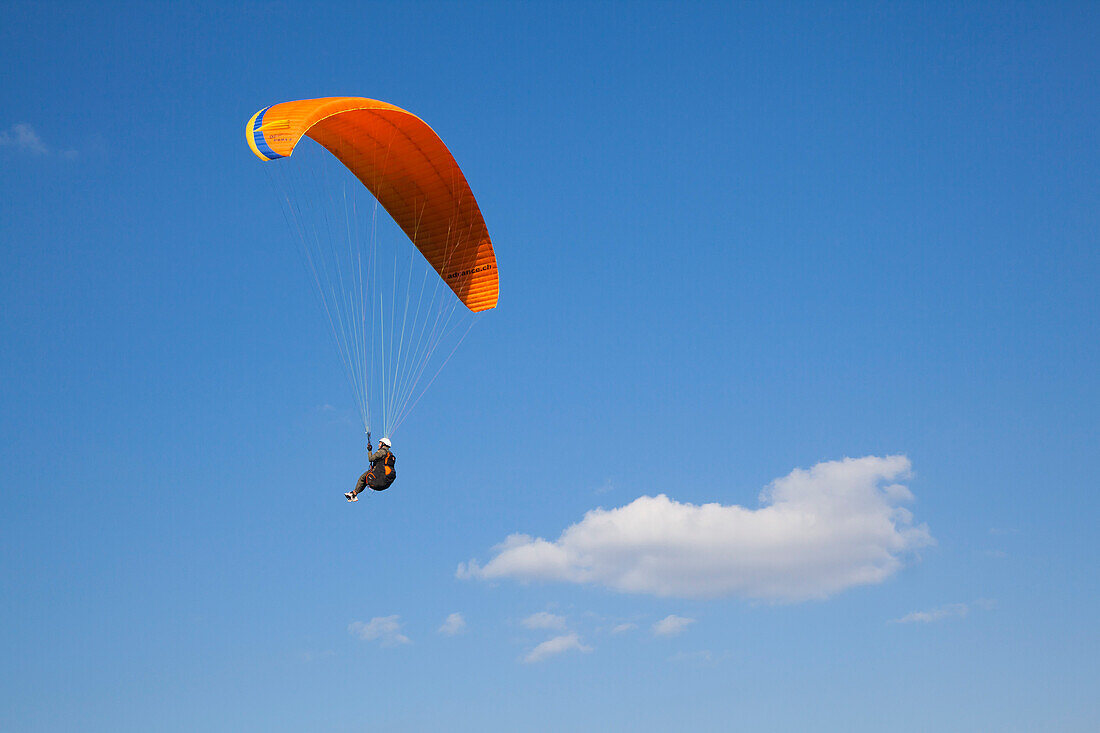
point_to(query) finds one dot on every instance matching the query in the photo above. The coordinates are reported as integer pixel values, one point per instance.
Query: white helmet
(385, 442)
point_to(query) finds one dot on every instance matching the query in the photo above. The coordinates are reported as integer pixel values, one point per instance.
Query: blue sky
(735, 244)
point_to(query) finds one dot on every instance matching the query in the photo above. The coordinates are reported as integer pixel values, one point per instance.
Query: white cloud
(621, 628)
(671, 625)
(951, 610)
(544, 620)
(817, 532)
(23, 137)
(386, 630)
(555, 646)
(453, 624)
(954, 610)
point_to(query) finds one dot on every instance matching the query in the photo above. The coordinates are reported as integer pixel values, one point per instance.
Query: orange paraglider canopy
(401, 160)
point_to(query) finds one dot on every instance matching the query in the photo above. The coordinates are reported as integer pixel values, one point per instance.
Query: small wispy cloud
(623, 628)
(951, 610)
(24, 138)
(453, 624)
(544, 620)
(700, 657)
(386, 630)
(553, 647)
(671, 625)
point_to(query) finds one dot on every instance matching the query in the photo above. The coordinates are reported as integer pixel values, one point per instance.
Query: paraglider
(397, 313)
(382, 472)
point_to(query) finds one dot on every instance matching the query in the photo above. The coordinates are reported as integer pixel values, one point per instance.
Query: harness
(382, 472)
(380, 480)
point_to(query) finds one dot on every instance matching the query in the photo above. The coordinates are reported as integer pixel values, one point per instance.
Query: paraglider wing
(405, 164)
